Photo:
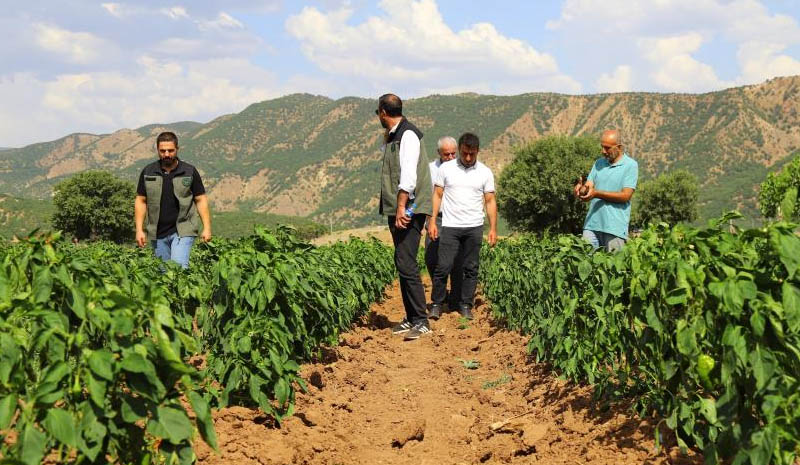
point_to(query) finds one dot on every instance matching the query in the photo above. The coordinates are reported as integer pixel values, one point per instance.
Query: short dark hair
(391, 104)
(167, 136)
(469, 140)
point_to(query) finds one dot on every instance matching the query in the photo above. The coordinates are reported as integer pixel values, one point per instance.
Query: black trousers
(406, 245)
(454, 242)
(456, 275)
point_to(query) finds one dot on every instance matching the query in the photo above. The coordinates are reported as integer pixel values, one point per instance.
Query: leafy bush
(778, 195)
(701, 326)
(670, 198)
(95, 205)
(535, 190)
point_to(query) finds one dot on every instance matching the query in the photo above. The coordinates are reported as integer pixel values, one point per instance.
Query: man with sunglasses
(609, 188)
(447, 149)
(404, 184)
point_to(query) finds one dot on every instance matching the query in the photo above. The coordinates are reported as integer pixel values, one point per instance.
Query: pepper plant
(700, 326)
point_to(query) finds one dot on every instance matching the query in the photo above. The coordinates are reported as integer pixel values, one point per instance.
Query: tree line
(534, 195)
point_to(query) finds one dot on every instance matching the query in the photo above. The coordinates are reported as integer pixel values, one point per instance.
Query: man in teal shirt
(609, 188)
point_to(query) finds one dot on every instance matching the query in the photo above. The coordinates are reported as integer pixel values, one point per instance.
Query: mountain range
(308, 155)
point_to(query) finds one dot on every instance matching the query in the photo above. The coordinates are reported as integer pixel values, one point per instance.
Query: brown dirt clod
(414, 431)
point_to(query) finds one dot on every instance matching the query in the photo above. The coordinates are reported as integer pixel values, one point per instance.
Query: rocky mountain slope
(313, 156)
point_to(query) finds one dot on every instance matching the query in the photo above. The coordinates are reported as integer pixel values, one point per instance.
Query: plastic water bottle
(410, 210)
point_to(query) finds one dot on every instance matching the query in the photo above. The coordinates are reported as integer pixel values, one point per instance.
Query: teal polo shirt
(609, 217)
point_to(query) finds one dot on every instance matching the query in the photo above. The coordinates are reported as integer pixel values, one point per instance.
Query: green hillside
(238, 224)
(311, 156)
(20, 216)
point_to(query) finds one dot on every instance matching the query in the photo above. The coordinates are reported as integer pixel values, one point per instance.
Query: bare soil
(465, 394)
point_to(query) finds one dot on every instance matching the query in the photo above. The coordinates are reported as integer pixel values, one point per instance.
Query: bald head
(611, 137)
(611, 142)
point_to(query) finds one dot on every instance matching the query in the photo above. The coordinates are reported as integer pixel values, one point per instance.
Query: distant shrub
(778, 195)
(535, 191)
(95, 205)
(670, 198)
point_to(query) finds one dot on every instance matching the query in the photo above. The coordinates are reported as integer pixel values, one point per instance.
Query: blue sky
(98, 66)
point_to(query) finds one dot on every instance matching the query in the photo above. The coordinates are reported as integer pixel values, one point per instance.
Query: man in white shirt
(406, 201)
(463, 187)
(447, 148)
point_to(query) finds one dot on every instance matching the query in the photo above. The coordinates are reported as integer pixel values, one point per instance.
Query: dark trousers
(406, 245)
(453, 242)
(456, 275)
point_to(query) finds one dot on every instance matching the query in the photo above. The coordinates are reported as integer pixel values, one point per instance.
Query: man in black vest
(172, 200)
(406, 199)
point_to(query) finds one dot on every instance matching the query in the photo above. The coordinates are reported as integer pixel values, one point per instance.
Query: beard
(384, 124)
(168, 162)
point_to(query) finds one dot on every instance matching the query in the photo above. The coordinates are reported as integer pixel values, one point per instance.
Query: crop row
(699, 326)
(96, 342)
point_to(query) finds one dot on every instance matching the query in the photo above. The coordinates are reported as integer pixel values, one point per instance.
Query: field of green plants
(107, 355)
(699, 326)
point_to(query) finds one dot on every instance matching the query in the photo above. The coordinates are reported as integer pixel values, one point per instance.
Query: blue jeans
(609, 242)
(174, 248)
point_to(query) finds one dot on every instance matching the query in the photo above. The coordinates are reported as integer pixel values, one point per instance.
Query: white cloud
(665, 38)
(74, 47)
(114, 9)
(137, 62)
(157, 91)
(411, 47)
(675, 69)
(222, 21)
(175, 13)
(760, 61)
(619, 81)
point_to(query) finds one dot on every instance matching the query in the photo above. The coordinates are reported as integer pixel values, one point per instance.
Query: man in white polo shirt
(463, 187)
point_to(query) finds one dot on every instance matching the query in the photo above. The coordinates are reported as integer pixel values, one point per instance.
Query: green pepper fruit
(704, 366)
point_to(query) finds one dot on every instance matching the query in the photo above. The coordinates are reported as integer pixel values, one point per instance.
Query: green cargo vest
(390, 175)
(189, 222)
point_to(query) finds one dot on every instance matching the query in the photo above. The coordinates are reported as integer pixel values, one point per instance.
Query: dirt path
(380, 400)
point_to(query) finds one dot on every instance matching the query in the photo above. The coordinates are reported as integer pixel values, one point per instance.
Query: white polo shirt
(464, 189)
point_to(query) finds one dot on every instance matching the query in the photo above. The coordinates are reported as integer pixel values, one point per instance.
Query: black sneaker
(402, 327)
(418, 330)
(466, 312)
(436, 312)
